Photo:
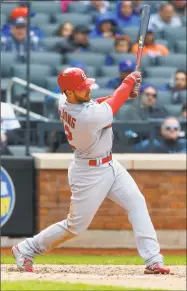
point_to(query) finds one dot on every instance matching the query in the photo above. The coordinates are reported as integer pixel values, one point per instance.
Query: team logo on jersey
(7, 196)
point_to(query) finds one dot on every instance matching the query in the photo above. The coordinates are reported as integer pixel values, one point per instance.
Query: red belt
(99, 161)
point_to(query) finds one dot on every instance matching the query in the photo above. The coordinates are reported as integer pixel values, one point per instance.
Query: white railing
(36, 88)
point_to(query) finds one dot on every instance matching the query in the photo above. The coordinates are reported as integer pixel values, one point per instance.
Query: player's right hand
(136, 78)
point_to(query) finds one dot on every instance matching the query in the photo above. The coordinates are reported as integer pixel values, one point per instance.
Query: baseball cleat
(157, 268)
(22, 263)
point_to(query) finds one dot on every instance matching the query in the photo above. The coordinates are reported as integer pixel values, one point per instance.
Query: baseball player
(94, 174)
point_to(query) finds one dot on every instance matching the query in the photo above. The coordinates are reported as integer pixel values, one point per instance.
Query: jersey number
(69, 136)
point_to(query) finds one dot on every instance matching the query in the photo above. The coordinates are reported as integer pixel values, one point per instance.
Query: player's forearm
(102, 99)
(120, 96)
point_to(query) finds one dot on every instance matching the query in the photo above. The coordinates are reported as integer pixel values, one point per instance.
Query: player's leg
(89, 188)
(126, 193)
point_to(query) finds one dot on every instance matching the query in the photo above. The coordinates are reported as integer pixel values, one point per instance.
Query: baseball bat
(145, 15)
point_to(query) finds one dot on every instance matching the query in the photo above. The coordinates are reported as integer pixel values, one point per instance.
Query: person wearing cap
(165, 17)
(17, 41)
(150, 47)
(21, 11)
(146, 107)
(78, 42)
(125, 68)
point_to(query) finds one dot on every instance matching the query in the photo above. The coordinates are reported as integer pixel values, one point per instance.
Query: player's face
(180, 81)
(170, 129)
(82, 96)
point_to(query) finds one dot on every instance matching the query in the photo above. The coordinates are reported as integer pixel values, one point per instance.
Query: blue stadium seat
(90, 70)
(6, 8)
(50, 29)
(49, 7)
(40, 19)
(181, 46)
(102, 45)
(155, 82)
(75, 18)
(163, 98)
(76, 7)
(173, 109)
(46, 58)
(90, 59)
(101, 93)
(146, 60)
(160, 72)
(50, 43)
(112, 71)
(173, 60)
(103, 81)
(3, 18)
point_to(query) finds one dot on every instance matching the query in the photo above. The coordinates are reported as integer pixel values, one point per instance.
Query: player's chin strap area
(94, 162)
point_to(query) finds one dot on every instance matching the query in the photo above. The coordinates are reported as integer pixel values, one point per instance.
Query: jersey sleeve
(98, 116)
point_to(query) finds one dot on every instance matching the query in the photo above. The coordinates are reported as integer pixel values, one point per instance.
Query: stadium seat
(38, 73)
(159, 72)
(173, 60)
(46, 58)
(112, 71)
(102, 45)
(173, 34)
(101, 93)
(163, 98)
(49, 7)
(4, 83)
(173, 110)
(155, 82)
(7, 60)
(146, 61)
(50, 43)
(75, 18)
(50, 29)
(3, 19)
(181, 46)
(90, 70)
(76, 7)
(162, 42)
(183, 95)
(40, 19)
(103, 81)
(51, 82)
(132, 32)
(6, 8)
(90, 59)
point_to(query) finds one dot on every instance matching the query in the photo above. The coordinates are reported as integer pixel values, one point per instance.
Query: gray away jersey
(87, 127)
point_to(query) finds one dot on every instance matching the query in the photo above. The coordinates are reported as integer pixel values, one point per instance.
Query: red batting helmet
(74, 79)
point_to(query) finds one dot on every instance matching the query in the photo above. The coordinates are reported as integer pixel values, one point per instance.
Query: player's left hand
(135, 92)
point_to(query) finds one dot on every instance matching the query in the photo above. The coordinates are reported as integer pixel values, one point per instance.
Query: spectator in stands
(65, 30)
(64, 4)
(17, 41)
(9, 126)
(177, 86)
(97, 7)
(78, 42)
(184, 112)
(106, 27)
(125, 14)
(18, 12)
(146, 107)
(180, 7)
(150, 47)
(165, 17)
(125, 68)
(137, 6)
(169, 142)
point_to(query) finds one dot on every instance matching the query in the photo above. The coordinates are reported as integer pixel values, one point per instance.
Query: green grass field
(95, 260)
(79, 260)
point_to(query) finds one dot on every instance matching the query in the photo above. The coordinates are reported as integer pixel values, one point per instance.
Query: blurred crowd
(101, 38)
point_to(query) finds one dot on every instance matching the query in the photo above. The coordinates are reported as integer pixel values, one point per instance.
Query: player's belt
(100, 161)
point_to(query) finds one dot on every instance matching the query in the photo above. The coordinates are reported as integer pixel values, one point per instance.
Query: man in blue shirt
(17, 41)
(125, 15)
(125, 68)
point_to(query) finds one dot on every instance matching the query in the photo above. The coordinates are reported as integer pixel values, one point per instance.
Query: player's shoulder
(62, 100)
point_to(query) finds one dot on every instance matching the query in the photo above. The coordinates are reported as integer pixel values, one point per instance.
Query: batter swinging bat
(145, 15)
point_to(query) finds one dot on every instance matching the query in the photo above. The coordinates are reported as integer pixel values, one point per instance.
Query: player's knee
(76, 227)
